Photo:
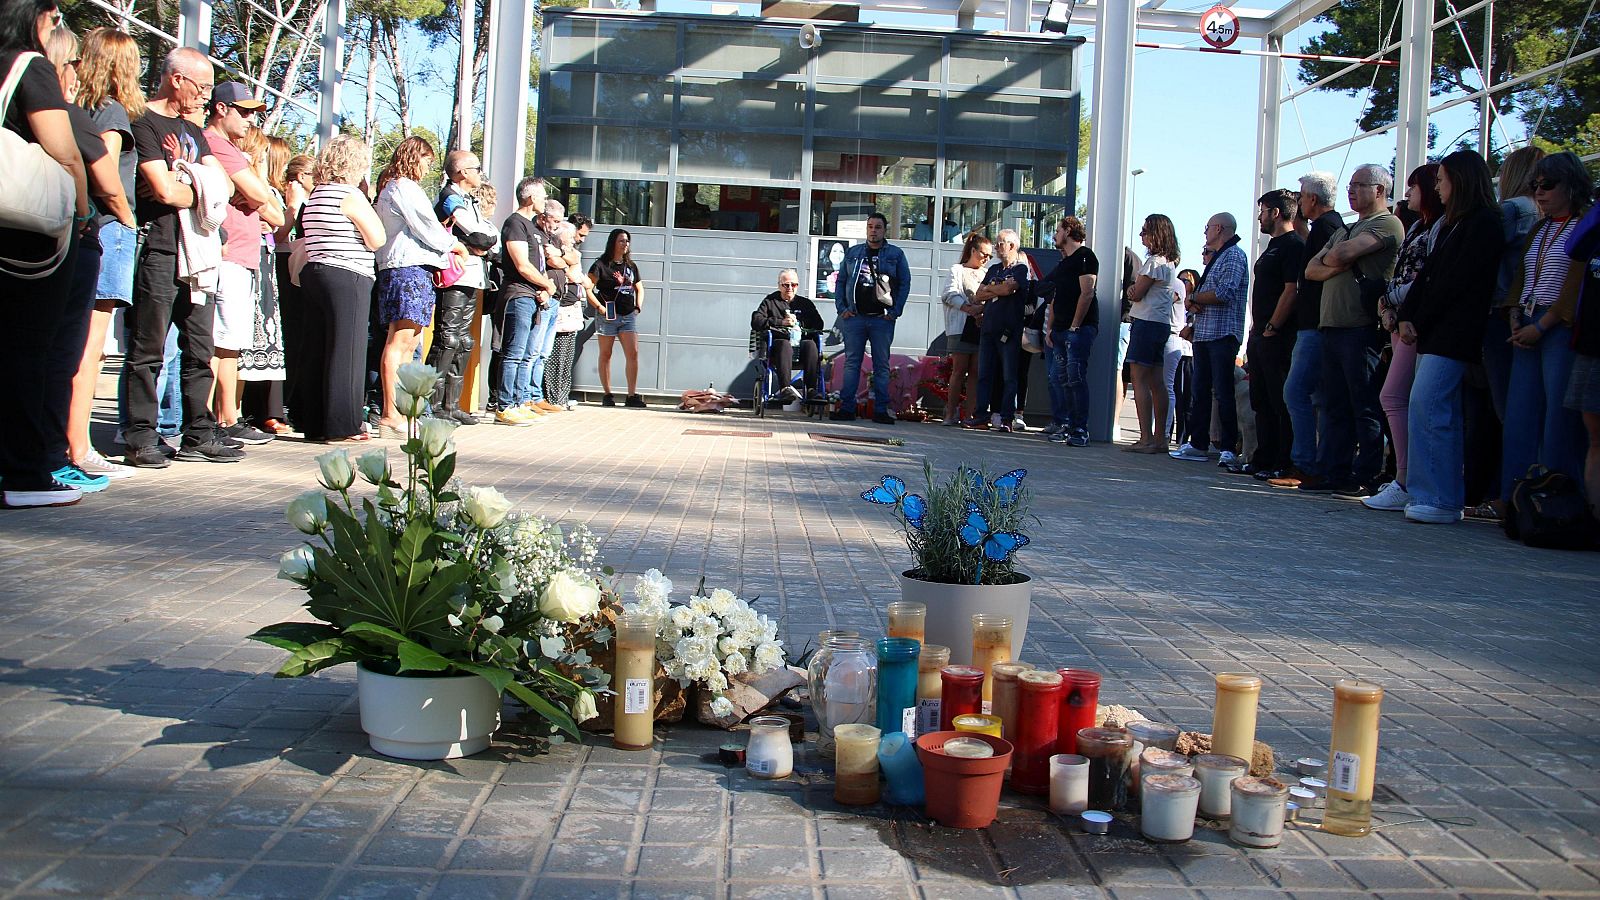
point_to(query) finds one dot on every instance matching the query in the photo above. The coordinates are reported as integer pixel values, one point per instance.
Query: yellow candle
(977, 723)
(1233, 729)
(907, 619)
(930, 687)
(991, 643)
(633, 712)
(1004, 705)
(856, 764)
(1352, 757)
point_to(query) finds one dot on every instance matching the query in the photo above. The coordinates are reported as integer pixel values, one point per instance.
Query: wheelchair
(814, 402)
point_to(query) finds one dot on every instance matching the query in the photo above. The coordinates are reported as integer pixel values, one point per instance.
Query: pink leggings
(1396, 399)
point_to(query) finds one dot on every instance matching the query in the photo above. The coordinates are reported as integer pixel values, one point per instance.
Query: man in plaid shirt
(1218, 308)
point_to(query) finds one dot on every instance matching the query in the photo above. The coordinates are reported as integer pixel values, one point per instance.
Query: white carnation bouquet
(709, 640)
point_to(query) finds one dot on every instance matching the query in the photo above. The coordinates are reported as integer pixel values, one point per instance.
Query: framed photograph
(827, 255)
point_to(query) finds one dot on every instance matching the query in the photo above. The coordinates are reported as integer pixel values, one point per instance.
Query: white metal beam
(1115, 31)
(464, 86)
(194, 25)
(506, 109)
(1416, 75)
(332, 75)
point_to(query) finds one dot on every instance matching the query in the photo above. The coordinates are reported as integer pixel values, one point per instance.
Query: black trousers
(783, 363)
(338, 302)
(66, 351)
(1268, 361)
(452, 344)
(160, 301)
(32, 314)
(292, 315)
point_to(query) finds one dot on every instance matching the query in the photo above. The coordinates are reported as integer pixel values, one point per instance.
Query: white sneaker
(1018, 425)
(572, 405)
(995, 422)
(1227, 458)
(1391, 497)
(95, 464)
(1432, 515)
(1190, 453)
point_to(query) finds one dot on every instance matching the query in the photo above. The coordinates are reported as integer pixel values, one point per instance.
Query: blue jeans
(1497, 359)
(541, 343)
(1213, 374)
(1539, 429)
(858, 331)
(169, 412)
(1303, 395)
(1354, 418)
(1068, 362)
(1435, 424)
(516, 357)
(999, 356)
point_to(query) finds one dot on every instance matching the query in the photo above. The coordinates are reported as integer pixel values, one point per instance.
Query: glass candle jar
(633, 714)
(1216, 773)
(1107, 751)
(1352, 757)
(824, 636)
(1080, 700)
(930, 686)
(1233, 726)
(1069, 784)
(897, 685)
(856, 764)
(1034, 735)
(843, 677)
(768, 754)
(1166, 813)
(1156, 761)
(1004, 702)
(1154, 734)
(977, 723)
(968, 748)
(961, 693)
(1259, 806)
(991, 643)
(907, 620)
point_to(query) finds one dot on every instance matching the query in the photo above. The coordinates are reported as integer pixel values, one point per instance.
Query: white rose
(769, 656)
(417, 379)
(337, 473)
(734, 664)
(374, 466)
(485, 506)
(297, 565)
(435, 436)
(682, 618)
(408, 406)
(569, 598)
(723, 601)
(308, 513)
(717, 682)
(722, 707)
(583, 708)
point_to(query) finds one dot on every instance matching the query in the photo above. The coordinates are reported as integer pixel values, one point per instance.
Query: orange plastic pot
(962, 792)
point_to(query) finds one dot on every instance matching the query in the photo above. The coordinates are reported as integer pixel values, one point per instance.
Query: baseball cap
(235, 93)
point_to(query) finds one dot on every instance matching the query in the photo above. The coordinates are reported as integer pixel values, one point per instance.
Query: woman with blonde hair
(1153, 294)
(294, 182)
(341, 232)
(261, 365)
(961, 324)
(417, 245)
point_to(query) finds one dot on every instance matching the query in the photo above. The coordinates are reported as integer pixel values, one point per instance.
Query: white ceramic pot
(951, 607)
(429, 717)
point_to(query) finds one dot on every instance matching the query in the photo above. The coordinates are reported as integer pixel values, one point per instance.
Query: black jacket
(770, 314)
(1449, 301)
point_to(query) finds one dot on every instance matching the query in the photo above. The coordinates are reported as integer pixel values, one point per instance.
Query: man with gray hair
(1218, 305)
(457, 207)
(1354, 269)
(525, 296)
(790, 320)
(1316, 222)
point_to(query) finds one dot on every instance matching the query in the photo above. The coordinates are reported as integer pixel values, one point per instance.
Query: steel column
(464, 86)
(332, 75)
(506, 106)
(1115, 30)
(1270, 95)
(1416, 73)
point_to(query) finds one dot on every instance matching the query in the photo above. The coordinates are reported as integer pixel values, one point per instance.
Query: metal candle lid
(1303, 796)
(1316, 786)
(1310, 765)
(1157, 758)
(1096, 822)
(967, 748)
(1291, 811)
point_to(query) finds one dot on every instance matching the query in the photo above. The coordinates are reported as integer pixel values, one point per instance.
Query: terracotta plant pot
(951, 607)
(962, 793)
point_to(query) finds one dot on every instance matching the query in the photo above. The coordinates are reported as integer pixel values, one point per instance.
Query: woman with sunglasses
(616, 279)
(961, 324)
(1538, 428)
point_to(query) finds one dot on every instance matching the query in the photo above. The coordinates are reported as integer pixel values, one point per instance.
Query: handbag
(1032, 340)
(450, 274)
(40, 196)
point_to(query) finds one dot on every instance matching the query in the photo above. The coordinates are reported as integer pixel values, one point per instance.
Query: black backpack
(1546, 509)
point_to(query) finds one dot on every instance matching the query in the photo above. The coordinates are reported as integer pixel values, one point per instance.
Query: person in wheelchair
(786, 318)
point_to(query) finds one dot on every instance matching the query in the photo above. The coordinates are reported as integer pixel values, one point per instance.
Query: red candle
(1035, 735)
(1079, 701)
(961, 692)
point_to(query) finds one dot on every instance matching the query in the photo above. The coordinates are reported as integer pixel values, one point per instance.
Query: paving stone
(91, 875)
(224, 843)
(658, 862)
(404, 851)
(320, 845)
(767, 863)
(582, 858)
(501, 854)
(558, 888)
(1553, 876)
(453, 886)
(675, 890)
(1387, 874)
(172, 878)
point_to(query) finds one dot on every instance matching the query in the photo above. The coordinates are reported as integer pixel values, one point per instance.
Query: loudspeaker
(810, 37)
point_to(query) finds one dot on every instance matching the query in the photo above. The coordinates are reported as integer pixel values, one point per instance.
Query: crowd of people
(263, 292)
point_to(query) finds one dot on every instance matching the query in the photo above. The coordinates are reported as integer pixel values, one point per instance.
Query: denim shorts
(1147, 342)
(614, 327)
(118, 249)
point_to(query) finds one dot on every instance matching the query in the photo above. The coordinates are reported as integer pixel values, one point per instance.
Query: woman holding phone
(619, 300)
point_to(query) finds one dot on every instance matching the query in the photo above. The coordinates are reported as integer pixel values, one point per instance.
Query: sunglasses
(794, 284)
(1543, 184)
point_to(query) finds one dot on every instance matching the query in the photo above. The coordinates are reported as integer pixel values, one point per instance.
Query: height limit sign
(1219, 27)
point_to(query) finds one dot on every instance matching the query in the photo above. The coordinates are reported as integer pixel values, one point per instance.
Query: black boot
(452, 400)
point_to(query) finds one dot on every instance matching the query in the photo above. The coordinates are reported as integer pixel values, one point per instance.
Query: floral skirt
(406, 293)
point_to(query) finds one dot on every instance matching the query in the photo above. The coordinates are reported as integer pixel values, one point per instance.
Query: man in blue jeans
(1302, 392)
(1071, 324)
(1218, 307)
(525, 292)
(873, 284)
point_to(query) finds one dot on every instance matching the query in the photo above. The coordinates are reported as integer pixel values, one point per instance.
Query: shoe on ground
(1316, 484)
(1267, 474)
(215, 450)
(1018, 425)
(95, 464)
(1056, 428)
(1288, 478)
(462, 417)
(1079, 439)
(277, 426)
(1189, 453)
(56, 494)
(1153, 449)
(245, 433)
(976, 423)
(548, 407)
(515, 417)
(531, 407)
(1227, 459)
(883, 418)
(73, 477)
(842, 415)
(1432, 515)
(1484, 511)
(1352, 490)
(1056, 437)
(571, 405)
(635, 401)
(608, 400)
(1001, 427)
(1392, 498)
(147, 458)
(789, 394)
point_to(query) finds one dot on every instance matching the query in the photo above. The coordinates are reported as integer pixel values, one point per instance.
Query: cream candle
(991, 643)
(1215, 773)
(1233, 728)
(633, 713)
(856, 764)
(907, 620)
(1004, 704)
(1167, 807)
(1069, 783)
(1156, 761)
(977, 723)
(1259, 806)
(930, 687)
(1352, 758)
(769, 754)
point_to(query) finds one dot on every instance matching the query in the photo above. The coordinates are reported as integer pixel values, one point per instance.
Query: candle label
(636, 696)
(927, 715)
(1345, 772)
(908, 721)
(759, 766)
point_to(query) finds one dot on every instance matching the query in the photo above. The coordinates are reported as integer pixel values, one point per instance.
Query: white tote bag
(39, 195)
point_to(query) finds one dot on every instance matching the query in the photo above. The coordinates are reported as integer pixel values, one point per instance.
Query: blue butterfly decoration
(892, 492)
(997, 545)
(1005, 487)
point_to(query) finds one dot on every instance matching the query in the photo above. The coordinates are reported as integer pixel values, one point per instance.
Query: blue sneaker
(1078, 439)
(79, 480)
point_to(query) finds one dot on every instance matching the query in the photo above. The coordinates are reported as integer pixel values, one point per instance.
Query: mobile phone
(611, 311)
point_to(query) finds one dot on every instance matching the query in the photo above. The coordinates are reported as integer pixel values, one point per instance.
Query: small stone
(1192, 743)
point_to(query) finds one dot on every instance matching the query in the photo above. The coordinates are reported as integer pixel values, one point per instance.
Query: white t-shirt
(1179, 319)
(1156, 306)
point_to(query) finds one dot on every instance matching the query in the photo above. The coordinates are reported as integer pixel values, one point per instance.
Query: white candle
(1069, 783)
(1259, 806)
(1167, 807)
(1215, 773)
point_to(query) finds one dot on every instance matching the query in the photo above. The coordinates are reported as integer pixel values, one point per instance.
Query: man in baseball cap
(235, 94)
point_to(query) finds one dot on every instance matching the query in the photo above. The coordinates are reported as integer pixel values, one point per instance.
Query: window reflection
(732, 207)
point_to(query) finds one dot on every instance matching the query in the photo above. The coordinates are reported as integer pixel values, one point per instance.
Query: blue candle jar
(897, 684)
